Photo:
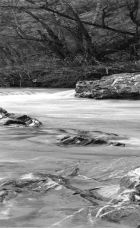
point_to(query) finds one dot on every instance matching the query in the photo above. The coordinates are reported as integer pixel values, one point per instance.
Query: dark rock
(14, 122)
(117, 86)
(36, 183)
(117, 144)
(74, 173)
(85, 138)
(10, 119)
(3, 113)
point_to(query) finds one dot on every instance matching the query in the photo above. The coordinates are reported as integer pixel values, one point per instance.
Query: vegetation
(54, 43)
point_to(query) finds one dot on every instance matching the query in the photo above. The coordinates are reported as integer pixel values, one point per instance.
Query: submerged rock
(85, 138)
(117, 86)
(10, 119)
(29, 183)
(34, 184)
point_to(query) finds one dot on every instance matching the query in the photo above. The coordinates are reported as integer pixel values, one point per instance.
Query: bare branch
(44, 7)
(133, 8)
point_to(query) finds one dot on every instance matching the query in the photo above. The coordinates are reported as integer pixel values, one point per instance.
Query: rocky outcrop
(115, 203)
(11, 119)
(126, 200)
(89, 138)
(117, 86)
(41, 183)
(9, 189)
(121, 203)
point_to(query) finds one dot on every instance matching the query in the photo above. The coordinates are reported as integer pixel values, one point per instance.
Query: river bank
(61, 74)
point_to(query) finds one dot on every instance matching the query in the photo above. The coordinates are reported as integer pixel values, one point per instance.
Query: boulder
(117, 86)
(127, 200)
(11, 119)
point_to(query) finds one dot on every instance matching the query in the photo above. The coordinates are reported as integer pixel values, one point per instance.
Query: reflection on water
(25, 151)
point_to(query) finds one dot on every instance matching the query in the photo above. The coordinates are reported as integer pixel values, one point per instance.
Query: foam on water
(61, 103)
(28, 176)
(35, 95)
(135, 173)
(132, 141)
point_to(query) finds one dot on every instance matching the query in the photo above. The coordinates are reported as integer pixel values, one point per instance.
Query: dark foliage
(54, 43)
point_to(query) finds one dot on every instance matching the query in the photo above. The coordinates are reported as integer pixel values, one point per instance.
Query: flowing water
(24, 151)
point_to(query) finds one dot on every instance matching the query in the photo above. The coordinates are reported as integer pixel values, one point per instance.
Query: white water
(23, 151)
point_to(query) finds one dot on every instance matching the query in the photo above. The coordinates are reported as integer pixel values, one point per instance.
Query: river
(24, 151)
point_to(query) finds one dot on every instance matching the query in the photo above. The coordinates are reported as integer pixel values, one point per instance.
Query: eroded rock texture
(11, 119)
(42, 183)
(126, 200)
(117, 86)
(85, 138)
(113, 203)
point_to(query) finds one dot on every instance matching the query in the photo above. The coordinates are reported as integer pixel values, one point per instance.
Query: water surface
(25, 151)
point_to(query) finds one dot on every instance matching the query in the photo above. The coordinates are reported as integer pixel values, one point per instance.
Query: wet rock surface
(120, 205)
(42, 183)
(78, 191)
(126, 202)
(11, 119)
(89, 138)
(117, 86)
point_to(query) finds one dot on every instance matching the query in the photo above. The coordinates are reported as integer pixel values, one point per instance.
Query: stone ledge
(117, 86)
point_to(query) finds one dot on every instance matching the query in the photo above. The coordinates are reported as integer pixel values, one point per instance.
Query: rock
(38, 183)
(74, 173)
(117, 86)
(10, 119)
(117, 144)
(3, 113)
(121, 205)
(127, 200)
(131, 180)
(85, 138)
(41, 183)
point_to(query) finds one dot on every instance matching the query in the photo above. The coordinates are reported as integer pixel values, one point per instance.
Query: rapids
(25, 151)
